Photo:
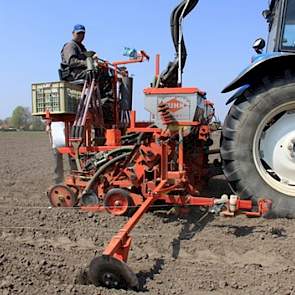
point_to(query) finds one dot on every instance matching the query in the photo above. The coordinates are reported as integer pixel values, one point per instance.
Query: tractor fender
(238, 93)
(261, 65)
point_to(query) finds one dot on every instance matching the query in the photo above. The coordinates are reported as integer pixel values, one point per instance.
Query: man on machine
(73, 60)
(73, 67)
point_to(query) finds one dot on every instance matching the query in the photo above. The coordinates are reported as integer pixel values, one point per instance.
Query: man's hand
(96, 60)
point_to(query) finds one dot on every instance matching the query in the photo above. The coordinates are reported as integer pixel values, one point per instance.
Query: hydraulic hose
(129, 156)
(169, 77)
(101, 170)
(121, 149)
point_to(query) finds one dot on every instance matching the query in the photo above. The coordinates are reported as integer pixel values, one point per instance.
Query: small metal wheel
(62, 196)
(110, 272)
(118, 202)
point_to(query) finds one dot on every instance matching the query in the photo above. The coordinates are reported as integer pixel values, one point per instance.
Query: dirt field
(43, 250)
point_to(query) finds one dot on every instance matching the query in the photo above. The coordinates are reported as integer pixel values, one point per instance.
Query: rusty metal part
(62, 196)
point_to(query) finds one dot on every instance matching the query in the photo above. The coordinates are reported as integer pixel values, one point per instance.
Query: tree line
(22, 119)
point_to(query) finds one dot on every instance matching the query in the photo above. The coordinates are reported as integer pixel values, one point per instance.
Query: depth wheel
(118, 202)
(110, 272)
(62, 196)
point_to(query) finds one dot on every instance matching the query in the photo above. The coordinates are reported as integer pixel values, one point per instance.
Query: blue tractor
(258, 137)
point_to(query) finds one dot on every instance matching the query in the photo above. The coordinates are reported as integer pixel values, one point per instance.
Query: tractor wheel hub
(274, 149)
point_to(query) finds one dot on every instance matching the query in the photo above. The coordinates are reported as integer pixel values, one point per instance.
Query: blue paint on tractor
(259, 63)
(256, 60)
(264, 56)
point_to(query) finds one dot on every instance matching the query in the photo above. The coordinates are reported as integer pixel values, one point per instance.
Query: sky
(218, 33)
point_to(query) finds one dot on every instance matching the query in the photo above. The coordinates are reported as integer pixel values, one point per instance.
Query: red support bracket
(120, 244)
(263, 207)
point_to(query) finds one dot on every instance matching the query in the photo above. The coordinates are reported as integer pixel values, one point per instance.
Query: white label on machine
(179, 106)
(58, 134)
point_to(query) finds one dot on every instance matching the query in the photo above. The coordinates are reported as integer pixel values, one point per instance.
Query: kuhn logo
(174, 105)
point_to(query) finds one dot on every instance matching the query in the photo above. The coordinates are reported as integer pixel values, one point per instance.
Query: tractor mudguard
(238, 93)
(259, 67)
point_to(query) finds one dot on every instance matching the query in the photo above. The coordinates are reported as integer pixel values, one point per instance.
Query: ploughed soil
(45, 250)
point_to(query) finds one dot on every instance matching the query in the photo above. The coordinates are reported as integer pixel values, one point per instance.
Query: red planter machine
(124, 166)
(165, 160)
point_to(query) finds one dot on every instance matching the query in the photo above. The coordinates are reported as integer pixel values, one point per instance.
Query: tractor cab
(280, 50)
(281, 19)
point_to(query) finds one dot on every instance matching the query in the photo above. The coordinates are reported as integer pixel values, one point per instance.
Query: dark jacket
(73, 60)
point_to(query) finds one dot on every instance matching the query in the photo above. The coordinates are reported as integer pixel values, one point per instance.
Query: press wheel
(110, 272)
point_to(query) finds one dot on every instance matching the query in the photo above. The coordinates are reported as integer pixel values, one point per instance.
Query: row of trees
(22, 119)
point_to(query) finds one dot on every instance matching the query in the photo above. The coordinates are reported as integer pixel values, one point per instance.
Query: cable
(89, 207)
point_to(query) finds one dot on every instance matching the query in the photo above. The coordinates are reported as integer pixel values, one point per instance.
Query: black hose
(174, 22)
(175, 17)
(121, 149)
(130, 136)
(111, 162)
(101, 170)
(101, 161)
(169, 77)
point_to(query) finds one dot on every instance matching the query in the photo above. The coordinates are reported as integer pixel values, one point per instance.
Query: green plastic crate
(56, 97)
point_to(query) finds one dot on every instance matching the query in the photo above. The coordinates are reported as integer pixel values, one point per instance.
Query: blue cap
(78, 29)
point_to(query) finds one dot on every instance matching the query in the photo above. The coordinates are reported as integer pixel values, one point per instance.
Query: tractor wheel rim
(117, 204)
(274, 148)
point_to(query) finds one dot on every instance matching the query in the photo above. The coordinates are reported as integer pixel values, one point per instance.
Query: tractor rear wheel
(258, 144)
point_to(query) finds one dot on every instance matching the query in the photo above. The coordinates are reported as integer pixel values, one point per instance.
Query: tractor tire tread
(235, 150)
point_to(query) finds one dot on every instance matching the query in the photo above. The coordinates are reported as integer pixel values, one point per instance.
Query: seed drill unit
(124, 166)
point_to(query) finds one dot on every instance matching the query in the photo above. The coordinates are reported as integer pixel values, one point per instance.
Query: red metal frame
(177, 90)
(120, 244)
(176, 182)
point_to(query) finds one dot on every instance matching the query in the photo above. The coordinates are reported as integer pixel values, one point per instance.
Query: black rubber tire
(101, 265)
(237, 140)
